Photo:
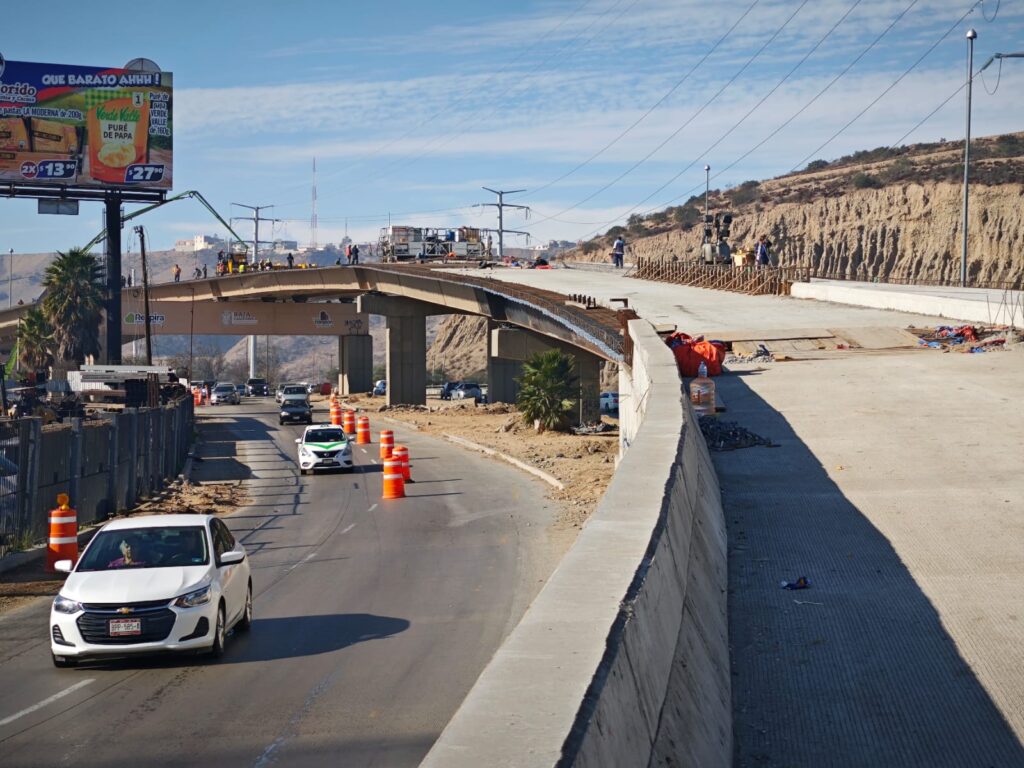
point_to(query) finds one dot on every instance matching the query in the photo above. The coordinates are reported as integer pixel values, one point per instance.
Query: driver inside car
(131, 554)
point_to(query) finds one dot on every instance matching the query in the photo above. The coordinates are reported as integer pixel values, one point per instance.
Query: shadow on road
(857, 670)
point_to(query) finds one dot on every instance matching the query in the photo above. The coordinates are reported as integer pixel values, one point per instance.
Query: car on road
(257, 387)
(610, 401)
(152, 584)
(447, 388)
(324, 446)
(294, 392)
(467, 390)
(224, 394)
(295, 409)
(380, 388)
(279, 393)
(241, 390)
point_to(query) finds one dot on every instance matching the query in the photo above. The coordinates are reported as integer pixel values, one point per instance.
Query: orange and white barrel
(348, 420)
(394, 483)
(63, 544)
(335, 413)
(387, 443)
(402, 454)
(363, 430)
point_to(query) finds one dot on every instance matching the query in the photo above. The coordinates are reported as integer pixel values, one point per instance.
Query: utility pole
(501, 205)
(707, 193)
(255, 219)
(114, 222)
(10, 278)
(145, 296)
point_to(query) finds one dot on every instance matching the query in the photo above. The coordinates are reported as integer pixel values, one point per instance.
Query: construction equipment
(398, 243)
(715, 249)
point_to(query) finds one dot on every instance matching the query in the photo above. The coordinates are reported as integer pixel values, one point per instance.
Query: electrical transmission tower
(255, 219)
(501, 205)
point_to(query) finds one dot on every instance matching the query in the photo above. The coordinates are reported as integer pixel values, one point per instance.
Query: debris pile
(762, 355)
(966, 338)
(729, 436)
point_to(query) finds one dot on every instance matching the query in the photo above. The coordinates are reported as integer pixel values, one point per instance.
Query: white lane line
(373, 507)
(349, 528)
(309, 557)
(46, 702)
(373, 461)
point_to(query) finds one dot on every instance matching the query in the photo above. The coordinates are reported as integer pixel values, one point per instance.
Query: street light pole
(707, 193)
(971, 37)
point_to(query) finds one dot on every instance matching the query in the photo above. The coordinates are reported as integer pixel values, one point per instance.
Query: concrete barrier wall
(623, 658)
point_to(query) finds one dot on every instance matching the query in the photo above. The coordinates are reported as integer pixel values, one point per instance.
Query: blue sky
(410, 107)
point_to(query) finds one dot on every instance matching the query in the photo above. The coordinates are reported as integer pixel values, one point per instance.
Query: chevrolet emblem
(125, 610)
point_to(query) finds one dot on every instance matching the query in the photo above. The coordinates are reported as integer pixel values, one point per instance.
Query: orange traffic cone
(387, 443)
(335, 413)
(394, 485)
(348, 419)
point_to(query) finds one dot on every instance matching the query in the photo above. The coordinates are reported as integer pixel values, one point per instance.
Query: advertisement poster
(84, 126)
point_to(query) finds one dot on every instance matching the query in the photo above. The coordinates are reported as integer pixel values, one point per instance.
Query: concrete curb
(514, 462)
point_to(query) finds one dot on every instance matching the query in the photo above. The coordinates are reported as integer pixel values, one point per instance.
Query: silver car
(224, 394)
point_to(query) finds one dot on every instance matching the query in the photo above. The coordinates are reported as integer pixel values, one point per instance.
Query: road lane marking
(350, 527)
(46, 702)
(373, 461)
(308, 557)
(373, 507)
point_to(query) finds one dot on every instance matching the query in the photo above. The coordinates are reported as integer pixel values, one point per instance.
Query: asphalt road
(373, 619)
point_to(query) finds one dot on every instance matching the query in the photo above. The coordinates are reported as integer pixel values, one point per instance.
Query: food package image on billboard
(85, 126)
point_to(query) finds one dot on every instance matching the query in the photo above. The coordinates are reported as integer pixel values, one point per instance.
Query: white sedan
(324, 446)
(152, 584)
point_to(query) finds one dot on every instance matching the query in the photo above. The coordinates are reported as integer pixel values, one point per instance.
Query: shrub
(546, 389)
(816, 165)
(865, 181)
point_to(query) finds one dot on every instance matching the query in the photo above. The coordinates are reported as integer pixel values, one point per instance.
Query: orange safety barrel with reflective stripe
(387, 443)
(402, 454)
(348, 419)
(394, 485)
(63, 540)
(363, 430)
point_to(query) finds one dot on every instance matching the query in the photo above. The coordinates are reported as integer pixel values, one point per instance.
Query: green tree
(546, 390)
(73, 304)
(35, 341)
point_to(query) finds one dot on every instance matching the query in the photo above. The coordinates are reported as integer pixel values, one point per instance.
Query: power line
(689, 120)
(896, 82)
(653, 107)
(501, 205)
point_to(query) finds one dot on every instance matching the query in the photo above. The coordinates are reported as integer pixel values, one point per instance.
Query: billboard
(84, 126)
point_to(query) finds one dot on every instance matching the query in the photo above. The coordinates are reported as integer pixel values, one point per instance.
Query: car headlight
(305, 451)
(62, 605)
(284, 413)
(192, 599)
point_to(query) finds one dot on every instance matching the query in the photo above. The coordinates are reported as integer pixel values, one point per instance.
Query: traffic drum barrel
(335, 413)
(394, 485)
(387, 443)
(348, 420)
(363, 430)
(402, 454)
(63, 543)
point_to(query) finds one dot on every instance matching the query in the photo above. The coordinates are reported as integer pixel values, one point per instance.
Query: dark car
(447, 388)
(297, 410)
(257, 387)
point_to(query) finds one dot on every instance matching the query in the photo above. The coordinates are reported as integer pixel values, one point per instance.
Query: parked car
(296, 409)
(224, 394)
(257, 387)
(610, 401)
(467, 390)
(151, 584)
(324, 446)
(447, 388)
(380, 388)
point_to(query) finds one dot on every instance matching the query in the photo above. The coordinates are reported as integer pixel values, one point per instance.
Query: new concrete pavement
(373, 619)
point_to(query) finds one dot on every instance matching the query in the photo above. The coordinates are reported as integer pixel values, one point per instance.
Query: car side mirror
(233, 557)
(63, 566)
(298, 440)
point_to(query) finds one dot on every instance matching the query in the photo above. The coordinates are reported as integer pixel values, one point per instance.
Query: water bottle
(702, 393)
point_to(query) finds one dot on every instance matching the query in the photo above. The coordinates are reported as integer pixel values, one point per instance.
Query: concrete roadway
(373, 619)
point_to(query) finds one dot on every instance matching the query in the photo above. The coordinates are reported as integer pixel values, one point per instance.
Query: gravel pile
(728, 435)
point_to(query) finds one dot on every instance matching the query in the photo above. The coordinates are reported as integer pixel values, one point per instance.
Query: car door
(232, 577)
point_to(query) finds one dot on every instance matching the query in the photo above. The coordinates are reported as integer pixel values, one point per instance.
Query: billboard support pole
(112, 352)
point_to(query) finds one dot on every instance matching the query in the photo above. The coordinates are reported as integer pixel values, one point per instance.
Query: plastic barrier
(363, 430)
(394, 484)
(63, 533)
(348, 420)
(387, 443)
(402, 454)
(335, 413)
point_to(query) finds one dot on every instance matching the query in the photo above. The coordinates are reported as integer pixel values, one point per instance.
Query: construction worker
(354, 254)
(618, 252)
(762, 254)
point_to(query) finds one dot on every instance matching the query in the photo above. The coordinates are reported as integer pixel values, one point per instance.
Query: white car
(225, 393)
(324, 446)
(152, 584)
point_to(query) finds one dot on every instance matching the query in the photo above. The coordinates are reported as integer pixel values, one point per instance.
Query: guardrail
(105, 465)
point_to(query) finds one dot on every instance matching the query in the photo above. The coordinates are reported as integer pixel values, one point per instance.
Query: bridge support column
(407, 359)
(355, 364)
(517, 345)
(501, 371)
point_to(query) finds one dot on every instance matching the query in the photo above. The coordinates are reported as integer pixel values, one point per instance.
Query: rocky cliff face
(908, 231)
(460, 347)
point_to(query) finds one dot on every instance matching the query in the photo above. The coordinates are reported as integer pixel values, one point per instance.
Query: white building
(185, 246)
(202, 242)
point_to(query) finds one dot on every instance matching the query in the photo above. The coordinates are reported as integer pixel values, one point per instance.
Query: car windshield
(156, 547)
(294, 402)
(258, 382)
(224, 388)
(325, 436)
(295, 390)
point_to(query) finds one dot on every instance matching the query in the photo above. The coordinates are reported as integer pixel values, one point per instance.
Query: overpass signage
(244, 318)
(85, 126)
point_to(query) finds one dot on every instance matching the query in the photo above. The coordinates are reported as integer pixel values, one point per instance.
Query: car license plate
(121, 627)
(329, 463)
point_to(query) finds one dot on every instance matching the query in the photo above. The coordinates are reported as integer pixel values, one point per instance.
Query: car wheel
(302, 471)
(217, 649)
(281, 421)
(63, 662)
(245, 623)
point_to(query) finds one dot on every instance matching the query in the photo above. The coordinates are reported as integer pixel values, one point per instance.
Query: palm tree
(73, 304)
(546, 389)
(35, 340)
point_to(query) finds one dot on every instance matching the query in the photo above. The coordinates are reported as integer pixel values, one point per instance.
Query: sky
(597, 108)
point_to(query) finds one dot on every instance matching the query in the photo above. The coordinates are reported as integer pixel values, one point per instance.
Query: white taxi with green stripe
(324, 446)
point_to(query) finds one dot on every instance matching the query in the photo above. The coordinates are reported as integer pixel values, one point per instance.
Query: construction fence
(752, 280)
(104, 465)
